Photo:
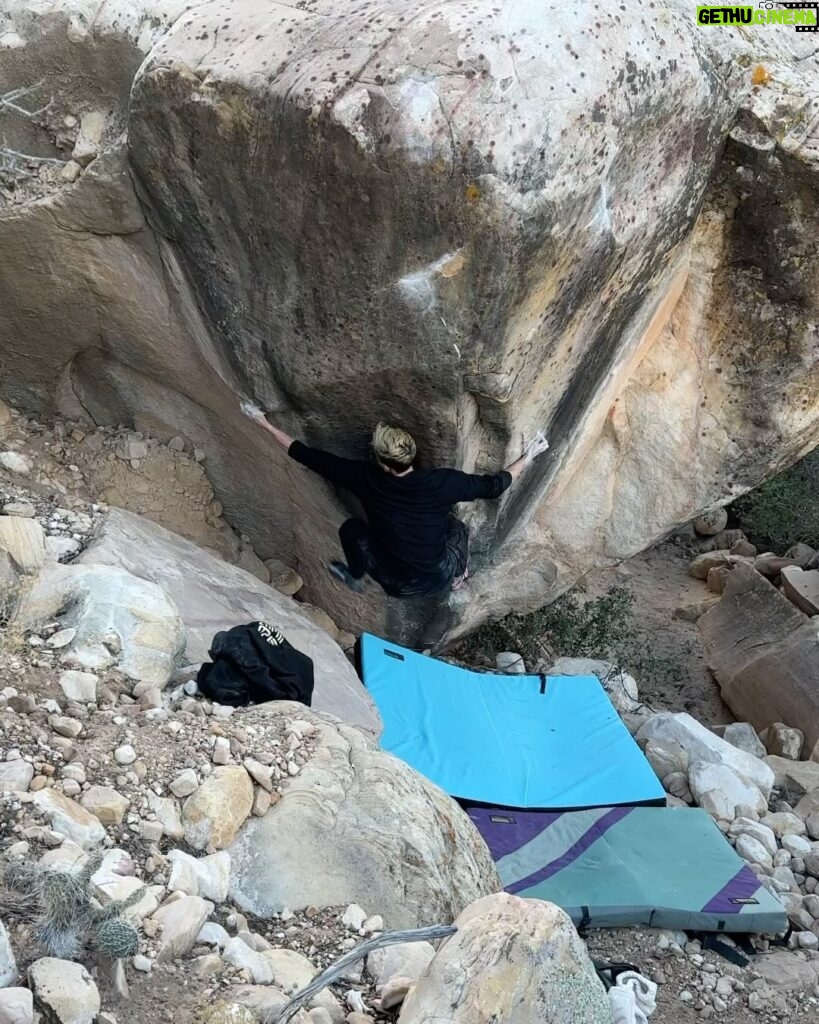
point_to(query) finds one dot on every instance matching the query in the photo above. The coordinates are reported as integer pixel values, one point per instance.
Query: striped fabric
(665, 867)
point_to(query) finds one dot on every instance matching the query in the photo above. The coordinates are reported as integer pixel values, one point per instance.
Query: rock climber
(411, 544)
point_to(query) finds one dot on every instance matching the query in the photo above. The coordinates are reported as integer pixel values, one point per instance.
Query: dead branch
(10, 100)
(334, 972)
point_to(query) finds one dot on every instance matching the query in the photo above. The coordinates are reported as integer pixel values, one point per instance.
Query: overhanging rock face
(473, 219)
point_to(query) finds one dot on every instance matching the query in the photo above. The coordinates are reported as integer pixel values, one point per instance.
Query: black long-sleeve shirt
(408, 515)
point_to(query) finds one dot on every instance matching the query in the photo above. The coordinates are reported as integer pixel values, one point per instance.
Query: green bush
(574, 627)
(785, 510)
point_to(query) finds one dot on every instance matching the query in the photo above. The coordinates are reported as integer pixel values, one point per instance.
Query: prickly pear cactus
(116, 938)
(68, 916)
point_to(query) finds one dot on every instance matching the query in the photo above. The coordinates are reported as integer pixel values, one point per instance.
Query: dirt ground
(666, 598)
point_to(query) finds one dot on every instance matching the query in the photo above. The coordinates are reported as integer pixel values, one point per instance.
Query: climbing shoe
(339, 571)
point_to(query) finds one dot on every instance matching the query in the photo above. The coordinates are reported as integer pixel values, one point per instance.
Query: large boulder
(212, 595)
(434, 217)
(521, 262)
(356, 825)
(764, 653)
(511, 960)
(120, 621)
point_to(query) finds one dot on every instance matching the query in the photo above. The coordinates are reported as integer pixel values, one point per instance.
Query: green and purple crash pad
(665, 867)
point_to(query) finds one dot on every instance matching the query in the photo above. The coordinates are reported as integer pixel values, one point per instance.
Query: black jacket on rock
(254, 663)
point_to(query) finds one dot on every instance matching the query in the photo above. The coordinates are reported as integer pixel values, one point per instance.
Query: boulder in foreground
(356, 825)
(511, 960)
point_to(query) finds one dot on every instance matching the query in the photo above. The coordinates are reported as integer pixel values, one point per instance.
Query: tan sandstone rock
(511, 960)
(180, 921)
(592, 281)
(212, 595)
(802, 588)
(357, 825)
(764, 654)
(214, 813)
(24, 540)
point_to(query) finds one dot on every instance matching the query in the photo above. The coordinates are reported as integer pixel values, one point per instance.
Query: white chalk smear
(250, 410)
(418, 288)
(536, 446)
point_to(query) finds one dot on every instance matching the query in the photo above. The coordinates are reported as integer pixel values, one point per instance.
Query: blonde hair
(393, 446)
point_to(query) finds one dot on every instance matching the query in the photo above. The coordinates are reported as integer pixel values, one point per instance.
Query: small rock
(510, 662)
(212, 934)
(181, 922)
(68, 727)
(785, 741)
(250, 562)
(15, 463)
(64, 990)
(811, 904)
(24, 540)
(240, 955)
(261, 803)
(106, 804)
(8, 965)
(81, 687)
(221, 751)
(16, 1006)
(15, 776)
(204, 876)
(710, 523)
(263, 774)
(784, 823)
(404, 959)
(19, 508)
(373, 924)
(62, 548)
(125, 755)
(151, 831)
(797, 846)
(62, 639)
(186, 783)
(71, 171)
(215, 812)
(354, 917)
(743, 736)
(395, 992)
(757, 831)
(142, 964)
(720, 791)
(70, 819)
(168, 815)
(752, 851)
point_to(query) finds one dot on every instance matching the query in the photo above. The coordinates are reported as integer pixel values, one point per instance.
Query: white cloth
(633, 999)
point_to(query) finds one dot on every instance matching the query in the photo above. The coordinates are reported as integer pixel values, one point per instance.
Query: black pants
(398, 580)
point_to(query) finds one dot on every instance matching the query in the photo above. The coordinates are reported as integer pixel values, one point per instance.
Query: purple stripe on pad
(741, 887)
(506, 831)
(589, 838)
